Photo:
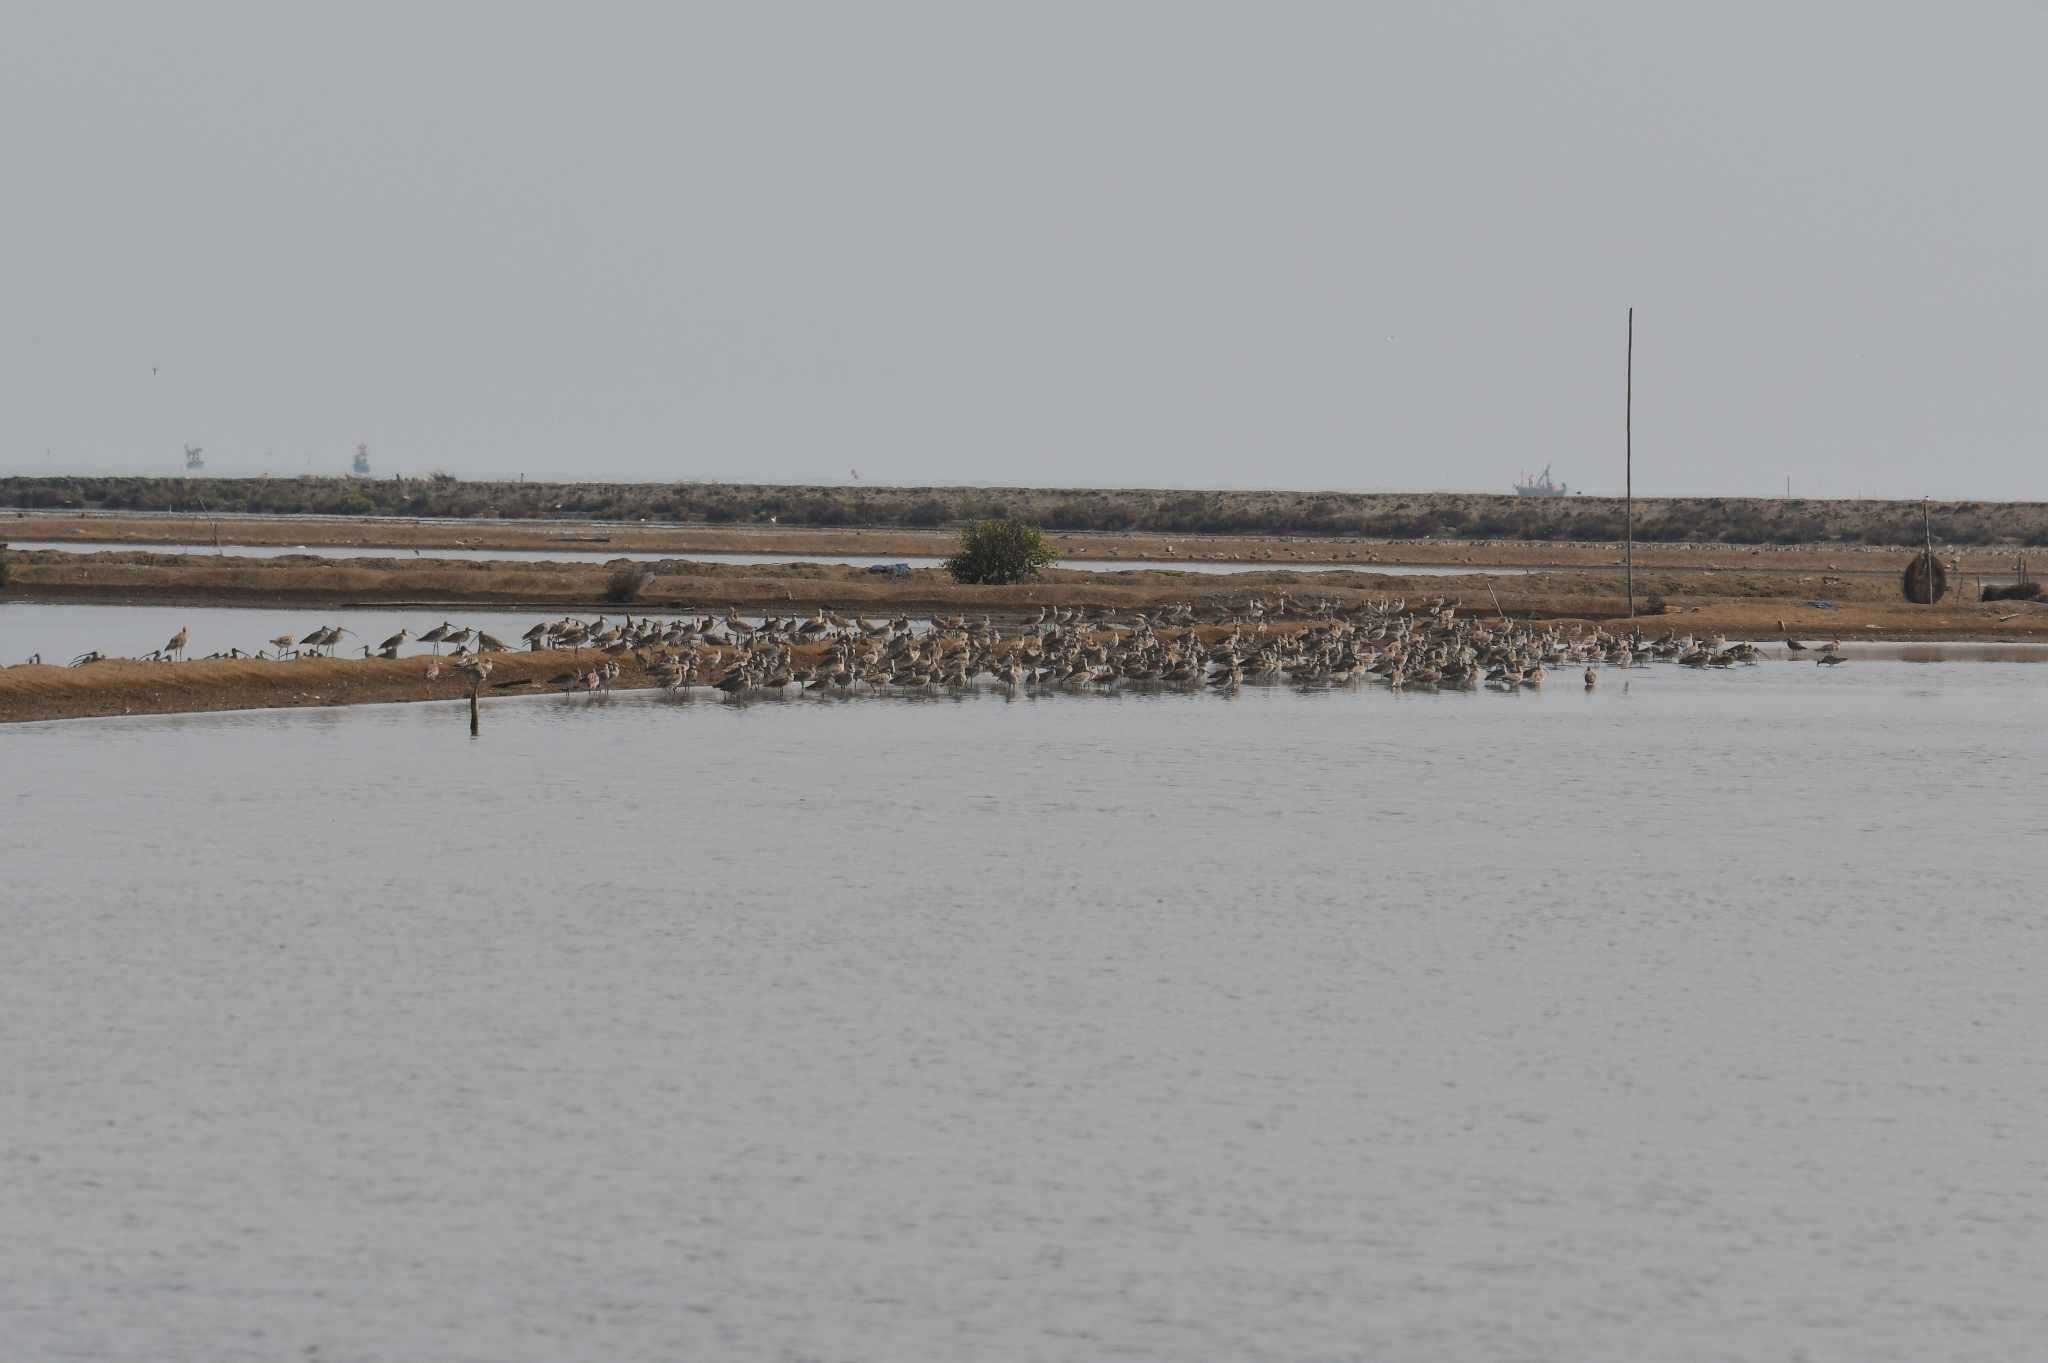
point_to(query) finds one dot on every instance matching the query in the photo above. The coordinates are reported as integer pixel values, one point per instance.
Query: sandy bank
(142, 688)
(797, 541)
(1711, 598)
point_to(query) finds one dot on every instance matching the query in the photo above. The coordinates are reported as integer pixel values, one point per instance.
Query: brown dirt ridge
(1732, 589)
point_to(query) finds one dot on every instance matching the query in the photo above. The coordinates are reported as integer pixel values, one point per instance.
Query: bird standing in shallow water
(1319, 645)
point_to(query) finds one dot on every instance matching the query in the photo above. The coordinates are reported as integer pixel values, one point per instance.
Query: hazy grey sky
(1193, 244)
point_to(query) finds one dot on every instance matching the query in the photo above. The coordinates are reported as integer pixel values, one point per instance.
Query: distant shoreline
(1225, 515)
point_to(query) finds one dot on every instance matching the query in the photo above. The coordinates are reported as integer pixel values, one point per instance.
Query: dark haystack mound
(2016, 591)
(1925, 580)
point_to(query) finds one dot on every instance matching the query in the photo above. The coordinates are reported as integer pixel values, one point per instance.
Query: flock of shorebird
(1390, 642)
(320, 643)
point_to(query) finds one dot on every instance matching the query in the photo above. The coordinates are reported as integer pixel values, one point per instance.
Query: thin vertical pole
(472, 712)
(1927, 533)
(1628, 454)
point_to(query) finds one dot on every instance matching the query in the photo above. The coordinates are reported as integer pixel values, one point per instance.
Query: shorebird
(326, 638)
(177, 643)
(1318, 643)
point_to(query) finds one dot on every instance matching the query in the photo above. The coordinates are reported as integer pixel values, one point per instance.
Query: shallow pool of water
(1698, 1017)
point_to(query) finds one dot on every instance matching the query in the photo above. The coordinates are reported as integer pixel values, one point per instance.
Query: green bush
(999, 551)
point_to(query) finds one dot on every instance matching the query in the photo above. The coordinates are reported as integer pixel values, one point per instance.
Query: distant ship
(361, 468)
(193, 463)
(1540, 486)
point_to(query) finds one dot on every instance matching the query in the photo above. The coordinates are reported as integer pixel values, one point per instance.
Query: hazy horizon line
(878, 486)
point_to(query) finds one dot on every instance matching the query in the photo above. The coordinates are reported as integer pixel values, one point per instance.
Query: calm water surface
(1697, 1020)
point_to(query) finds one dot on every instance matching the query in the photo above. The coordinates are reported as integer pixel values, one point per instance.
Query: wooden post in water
(472, 711)
(1628, 455)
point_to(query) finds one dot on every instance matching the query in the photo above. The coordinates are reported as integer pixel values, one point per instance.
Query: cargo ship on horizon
(1540, 486)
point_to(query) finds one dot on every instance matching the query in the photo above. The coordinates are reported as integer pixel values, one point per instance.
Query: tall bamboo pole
(1628, 448)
